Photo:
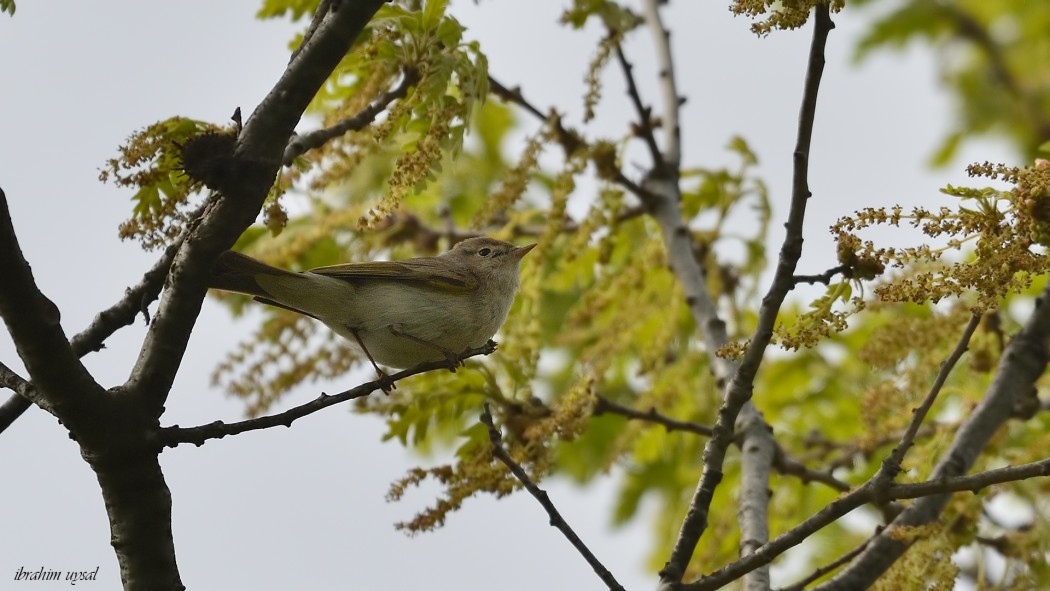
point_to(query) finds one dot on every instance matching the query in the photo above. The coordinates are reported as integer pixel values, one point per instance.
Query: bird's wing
(422, 270)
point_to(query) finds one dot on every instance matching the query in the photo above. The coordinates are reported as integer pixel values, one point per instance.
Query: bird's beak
(521, 251)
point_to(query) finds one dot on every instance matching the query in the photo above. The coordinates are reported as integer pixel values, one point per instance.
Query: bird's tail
(238, 272)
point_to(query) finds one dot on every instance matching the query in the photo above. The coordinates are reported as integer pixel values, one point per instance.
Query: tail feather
(237, 272)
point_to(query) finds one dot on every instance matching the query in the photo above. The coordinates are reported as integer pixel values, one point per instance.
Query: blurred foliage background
(601, 325)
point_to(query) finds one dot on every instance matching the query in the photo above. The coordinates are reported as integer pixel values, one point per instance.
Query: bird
(398, 313)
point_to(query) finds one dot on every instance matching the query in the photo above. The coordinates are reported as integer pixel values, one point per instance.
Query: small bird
(399, 313)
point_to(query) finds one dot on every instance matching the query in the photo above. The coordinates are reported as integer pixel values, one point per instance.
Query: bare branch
(782, 461)
(556, 520)
(785, 464)
(25, 395)
(861, 496)
(739, 391)
(513, 95)
(35, 326)
(672, 154)
(301, 144)
(827, 568)
(136, 299)
(891, 466)
(824, 277)
(645, 114)
(604, 405)
(972, 483)
(173, 436)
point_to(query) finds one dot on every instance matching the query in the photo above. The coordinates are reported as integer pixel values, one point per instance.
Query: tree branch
(782, 461)
(556, 520)
(301, 144)
(60, 380)
(875, 490)
(973, 482)
(136, 299)
(604, 405)
(174, 435)
(25, 395)
(891, 466)
(739, 391)
(672, 153)
(824, 277)
(645, 114)
(252, 167)
(827, 568)
(1022, 363)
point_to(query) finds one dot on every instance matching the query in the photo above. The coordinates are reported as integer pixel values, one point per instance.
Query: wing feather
(422, 270)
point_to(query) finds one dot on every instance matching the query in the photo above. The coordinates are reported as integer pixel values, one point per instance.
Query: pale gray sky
(304, 507)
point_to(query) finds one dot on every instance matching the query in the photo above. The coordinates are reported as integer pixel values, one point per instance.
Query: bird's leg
(385, 383)
(453, 359)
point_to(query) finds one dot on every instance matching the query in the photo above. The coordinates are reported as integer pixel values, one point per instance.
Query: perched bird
(399, 313)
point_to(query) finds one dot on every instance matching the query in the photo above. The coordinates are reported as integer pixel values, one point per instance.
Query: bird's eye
(485, 252)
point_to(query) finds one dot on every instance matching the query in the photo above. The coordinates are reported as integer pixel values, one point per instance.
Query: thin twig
(556, 520)
(300, 144)
(972, 482)
(123, 313)
(782, 461)
(824, 277)
(315, 21)
(891, 466)
(24, 394)
(645, 114)
(514, 95)
(785, 464)
(604, 405)
(174, 435)
(827, 568)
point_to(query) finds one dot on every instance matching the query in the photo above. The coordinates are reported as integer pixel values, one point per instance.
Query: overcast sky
(304, 507)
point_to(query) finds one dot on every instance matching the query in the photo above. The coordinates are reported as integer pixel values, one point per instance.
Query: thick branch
(62, 383)
(257, 157)
(173, 436)
(136, 299)
(556, 520)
